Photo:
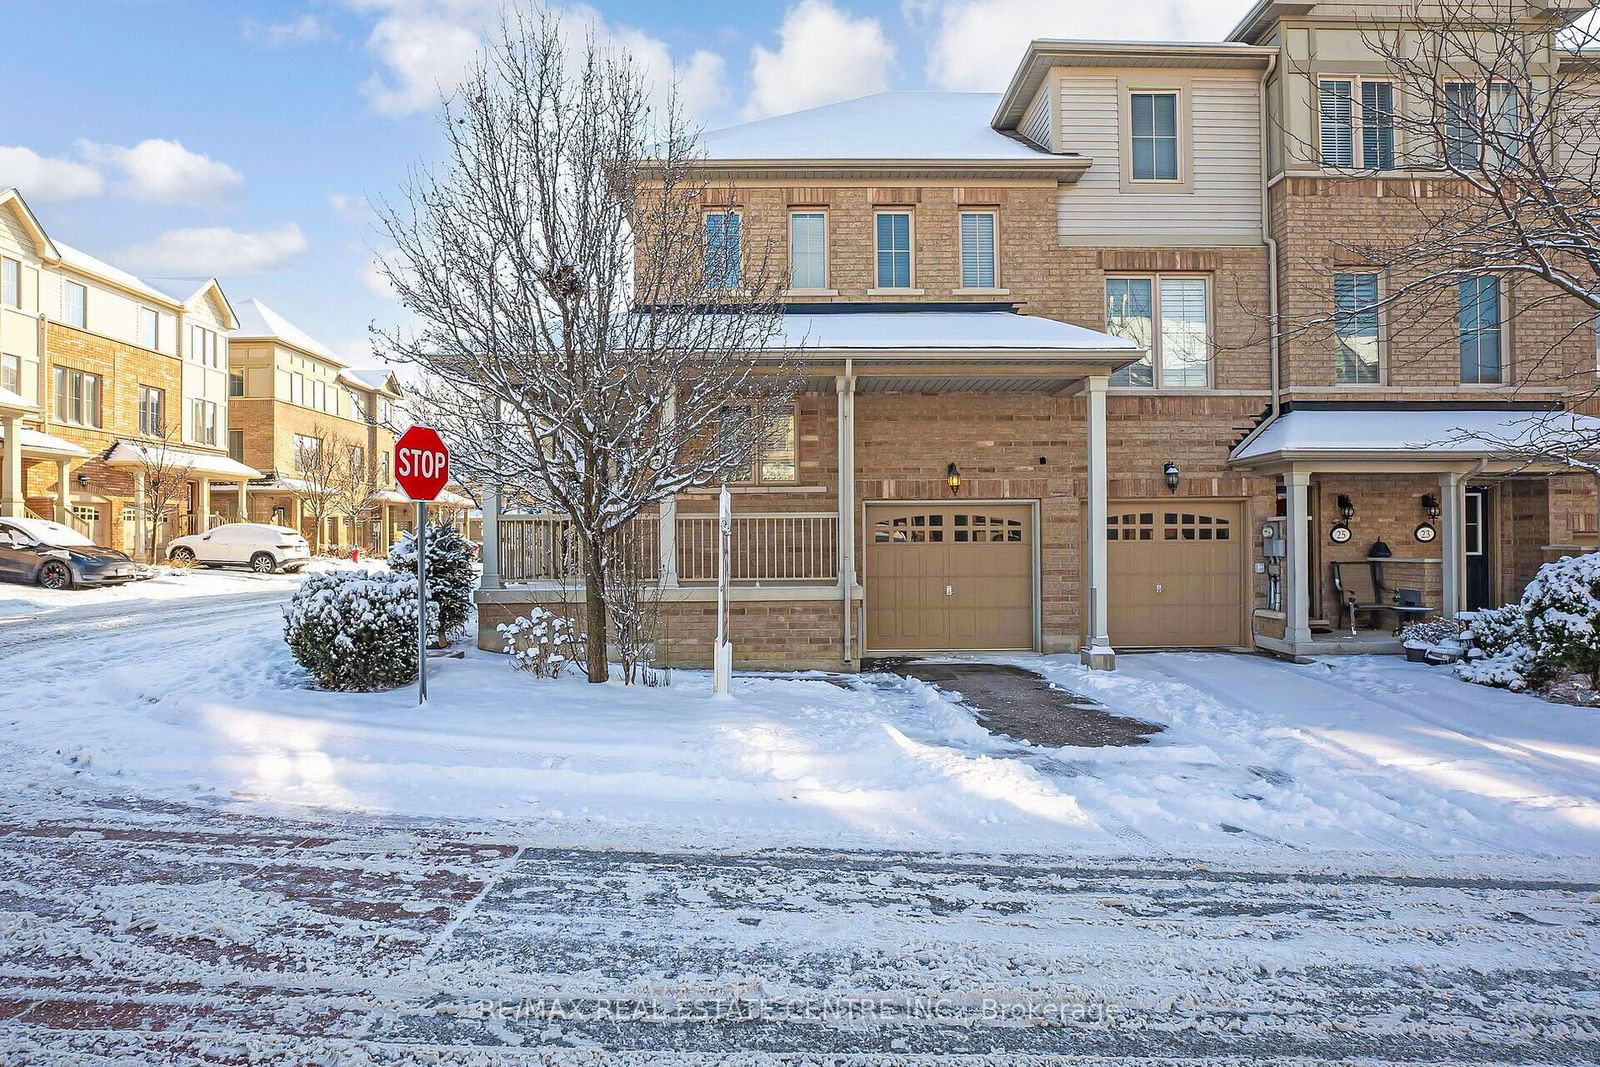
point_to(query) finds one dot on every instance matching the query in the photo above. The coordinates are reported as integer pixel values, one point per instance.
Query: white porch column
(64, 490)
(13, 502)
(845, 388)
(490, 496)
(667, 530)
(204, 497)
(1097, 652)
(1452, 517)
(1297, 560)
(244, 499)
(140, 519)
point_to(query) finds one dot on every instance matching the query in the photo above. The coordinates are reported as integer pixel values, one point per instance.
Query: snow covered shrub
(451, 574)
(1431, 632)
(540, 643)
(1562, 605)
(1500, 650)
(355, 630)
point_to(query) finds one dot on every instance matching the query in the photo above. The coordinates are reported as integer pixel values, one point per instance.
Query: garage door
(956, 576)
(1176, 573)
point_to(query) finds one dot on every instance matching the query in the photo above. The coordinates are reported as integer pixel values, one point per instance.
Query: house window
(1355, 328)
(1337, 123)
(203, 347)
(722, 250)
(319, 395)
(149, 328)
(307, 450)
(775, 460)
(203, 421)
(1505, 115)
(808, 250)
(977, 250)
(10, 283)
(1478, 320)
(77, 396)
(297, 389)
(236, 445)
(1179, 351)
(152, 411)
(236, 383)
(74, 305)
(1377, 125)
(11, 373)
(894, 249)
(1154, 136)
(358, 458)
(1461, 124)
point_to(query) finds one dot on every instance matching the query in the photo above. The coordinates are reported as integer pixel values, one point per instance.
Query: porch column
(244, 499)
(139, 516)
(13, 502)
(667, 529)
(64, 490)
(1452, 515)
(1097, 652)
(845, 388)
(204, 497)
(1297, 561)
(489, 494)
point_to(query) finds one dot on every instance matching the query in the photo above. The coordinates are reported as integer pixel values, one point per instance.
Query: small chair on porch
(1360, 588)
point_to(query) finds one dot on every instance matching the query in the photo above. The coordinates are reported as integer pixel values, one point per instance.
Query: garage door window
(909, 530)
(1184, 526)
(1131, 526)
(986, 528)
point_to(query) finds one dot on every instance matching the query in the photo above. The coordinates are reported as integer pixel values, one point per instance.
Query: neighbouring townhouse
(110, 385)
(320, 430)
(1047, 406)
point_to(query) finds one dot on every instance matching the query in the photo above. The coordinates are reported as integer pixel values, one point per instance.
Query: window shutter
(1338, 148)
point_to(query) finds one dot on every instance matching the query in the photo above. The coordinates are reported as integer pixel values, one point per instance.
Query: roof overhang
(137, 454)
(1045, 54)
(30, 222)
(211, 285)
(1262, 16)
(39, 445)
(15, 403)
(1058, 168)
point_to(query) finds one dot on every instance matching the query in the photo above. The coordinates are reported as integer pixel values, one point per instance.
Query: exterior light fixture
(1170, 471)
(1346, 508)
(83, 480)
(952, 477)
(1425, 531)
(1430, 505)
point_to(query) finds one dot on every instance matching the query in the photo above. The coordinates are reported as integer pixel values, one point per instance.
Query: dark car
(58, 557)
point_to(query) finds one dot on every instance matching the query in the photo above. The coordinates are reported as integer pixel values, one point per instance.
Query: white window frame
(994, 250)
(738, 255)
(1483, 102)
(157, 426)
(11, 278)
(70, 286)
(297, 388)
(1502, 330)
(1157, 370)
(910, 288)
(1179, 141)
(1383, 333)
(10, 364)
(1359, 122)
(72, 394)
(827, 253)
(151, 317)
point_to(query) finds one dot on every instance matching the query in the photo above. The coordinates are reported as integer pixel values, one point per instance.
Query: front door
(949, 576)
(1475, 543)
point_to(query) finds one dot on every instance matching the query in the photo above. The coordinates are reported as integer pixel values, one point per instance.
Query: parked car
(58, 557)
(261, 547)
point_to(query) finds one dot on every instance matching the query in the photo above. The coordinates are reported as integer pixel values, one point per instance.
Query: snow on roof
(894, 125)
(15, 401)
(131, 453)
(258, 320)
(961, 330)
(1439, 432)
(44, 444)
(82, 261)
(375, 378)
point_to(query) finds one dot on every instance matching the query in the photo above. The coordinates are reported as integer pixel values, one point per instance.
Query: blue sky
(182, 138)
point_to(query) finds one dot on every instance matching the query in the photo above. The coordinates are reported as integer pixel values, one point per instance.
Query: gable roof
(84, 263)
(10, 197)
(185, 292)
(377, 379)
(259, 322)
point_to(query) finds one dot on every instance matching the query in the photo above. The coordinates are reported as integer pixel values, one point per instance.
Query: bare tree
(356, 491)
(608, 353)
(165, 471)
(322, 466)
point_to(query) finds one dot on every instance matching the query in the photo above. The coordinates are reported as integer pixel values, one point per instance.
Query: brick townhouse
(1046, 405)
(103, 378)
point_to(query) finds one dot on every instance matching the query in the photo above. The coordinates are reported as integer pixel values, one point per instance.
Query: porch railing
(792, 547)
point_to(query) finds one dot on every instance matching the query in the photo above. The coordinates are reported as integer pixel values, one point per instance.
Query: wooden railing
(792, 547)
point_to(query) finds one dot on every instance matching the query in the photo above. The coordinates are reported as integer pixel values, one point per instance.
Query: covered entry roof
(971, 331)
(1428, 433)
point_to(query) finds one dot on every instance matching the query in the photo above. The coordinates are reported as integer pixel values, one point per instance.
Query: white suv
(262, 548)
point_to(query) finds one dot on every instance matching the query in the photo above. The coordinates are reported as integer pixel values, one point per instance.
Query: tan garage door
(1176, 573)
(957, 576)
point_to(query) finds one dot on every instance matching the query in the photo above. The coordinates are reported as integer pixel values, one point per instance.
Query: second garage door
(1176, 573)
(956, 576)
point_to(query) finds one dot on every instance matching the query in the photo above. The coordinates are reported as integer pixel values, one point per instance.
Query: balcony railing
(793, 547)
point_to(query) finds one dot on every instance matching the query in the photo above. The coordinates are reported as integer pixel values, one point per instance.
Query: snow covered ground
(200, 699)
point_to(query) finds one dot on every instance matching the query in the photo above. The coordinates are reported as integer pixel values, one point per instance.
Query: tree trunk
(594, 592)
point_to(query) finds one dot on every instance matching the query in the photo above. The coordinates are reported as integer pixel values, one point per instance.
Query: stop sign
(421, 463)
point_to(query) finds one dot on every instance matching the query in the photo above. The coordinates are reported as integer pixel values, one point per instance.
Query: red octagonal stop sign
(421, 463)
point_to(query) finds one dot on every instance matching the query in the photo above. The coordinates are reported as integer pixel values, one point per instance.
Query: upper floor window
(722, 250)
(1153, 133)
(1505, 116)
(236, 383)
(77, 396)
(74, 305)
(1377, 125)
(152, 411)
(203, 421)
(977, 250)
(236, 445)
(894, 249)
(808, 250)
(357, 458)
(1461, 124)
(11, 373)
(1336, 123)
(203, 346)
(1479, 321)
(775, 459)
(1179, 351)
(297, 388)
(307, 451)
(149, 328)
(1355, 329)
(1342, 125)
(319, 395)
(10, 282)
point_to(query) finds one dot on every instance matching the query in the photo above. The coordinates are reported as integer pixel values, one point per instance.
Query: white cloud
(46, 178)
(423, 56)
(352, 208)
(216, 250)
(163, 171)
(303, 30)
(977, 44)
(824, 54)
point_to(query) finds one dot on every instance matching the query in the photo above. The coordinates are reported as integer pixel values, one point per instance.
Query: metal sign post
(421, 466)
(422, 603)
(722, 651)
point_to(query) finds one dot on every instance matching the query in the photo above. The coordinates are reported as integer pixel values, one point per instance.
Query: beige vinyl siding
(1038, 122)
(1225, 205)
(19, 329)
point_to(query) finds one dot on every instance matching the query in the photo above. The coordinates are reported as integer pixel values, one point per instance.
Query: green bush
(452, 576)
(355, 630)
